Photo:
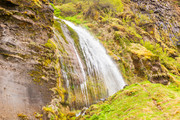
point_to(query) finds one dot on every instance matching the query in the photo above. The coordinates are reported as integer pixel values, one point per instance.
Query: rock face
(22, 23)
(165, 15)
(164, 30)
(149, 64)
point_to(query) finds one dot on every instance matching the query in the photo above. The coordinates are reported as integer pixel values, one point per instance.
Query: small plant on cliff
(22, 116)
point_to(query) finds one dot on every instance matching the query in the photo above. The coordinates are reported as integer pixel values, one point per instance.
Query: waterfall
(97, 75)
(98, 60)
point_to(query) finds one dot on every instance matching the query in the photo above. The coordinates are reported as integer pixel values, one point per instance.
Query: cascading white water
(98, 61)
(83, 84)
(64, 70)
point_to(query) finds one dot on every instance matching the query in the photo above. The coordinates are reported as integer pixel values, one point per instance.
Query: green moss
(74, 35)
(139, 101)
(57, 25)
(141, 51)
(57, 11)
(169, 62)
(47, 61)
(74, 19)
(5, 12)
(50, 44)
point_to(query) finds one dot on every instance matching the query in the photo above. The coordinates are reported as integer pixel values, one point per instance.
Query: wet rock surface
(22, 23)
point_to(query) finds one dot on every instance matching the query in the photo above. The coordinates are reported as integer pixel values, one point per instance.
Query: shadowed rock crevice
(7, 4)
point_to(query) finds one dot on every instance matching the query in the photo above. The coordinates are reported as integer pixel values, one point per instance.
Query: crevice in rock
(7, 4)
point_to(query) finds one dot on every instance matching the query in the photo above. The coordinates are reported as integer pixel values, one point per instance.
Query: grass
(60, 14)
(73, 19)
(139, 101)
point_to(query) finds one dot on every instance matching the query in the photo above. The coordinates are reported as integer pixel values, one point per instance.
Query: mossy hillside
(158, 101)
(120, 28)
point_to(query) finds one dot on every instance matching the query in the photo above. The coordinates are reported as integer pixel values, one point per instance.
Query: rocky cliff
(141, 36)
(25, 25)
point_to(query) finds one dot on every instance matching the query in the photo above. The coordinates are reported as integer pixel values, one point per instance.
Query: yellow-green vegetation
(32, 3)
(67, 9)
(73, 10)
(120, 28)
(140, 51)
(57, 26)
(38, 116)
(4, 11)
(48, 70)
(48, 60)
(22, 116)
(169, 62)
(139, 101)
(56, 11)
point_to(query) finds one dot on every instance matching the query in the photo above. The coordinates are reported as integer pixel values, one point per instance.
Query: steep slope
(24, 28)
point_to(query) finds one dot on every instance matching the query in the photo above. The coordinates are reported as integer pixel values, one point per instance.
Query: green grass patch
(139, 101)
(74, 19)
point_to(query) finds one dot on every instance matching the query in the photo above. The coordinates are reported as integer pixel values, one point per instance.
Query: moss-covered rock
(25, 25)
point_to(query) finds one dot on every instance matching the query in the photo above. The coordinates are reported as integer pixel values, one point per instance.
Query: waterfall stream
(96, 72)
